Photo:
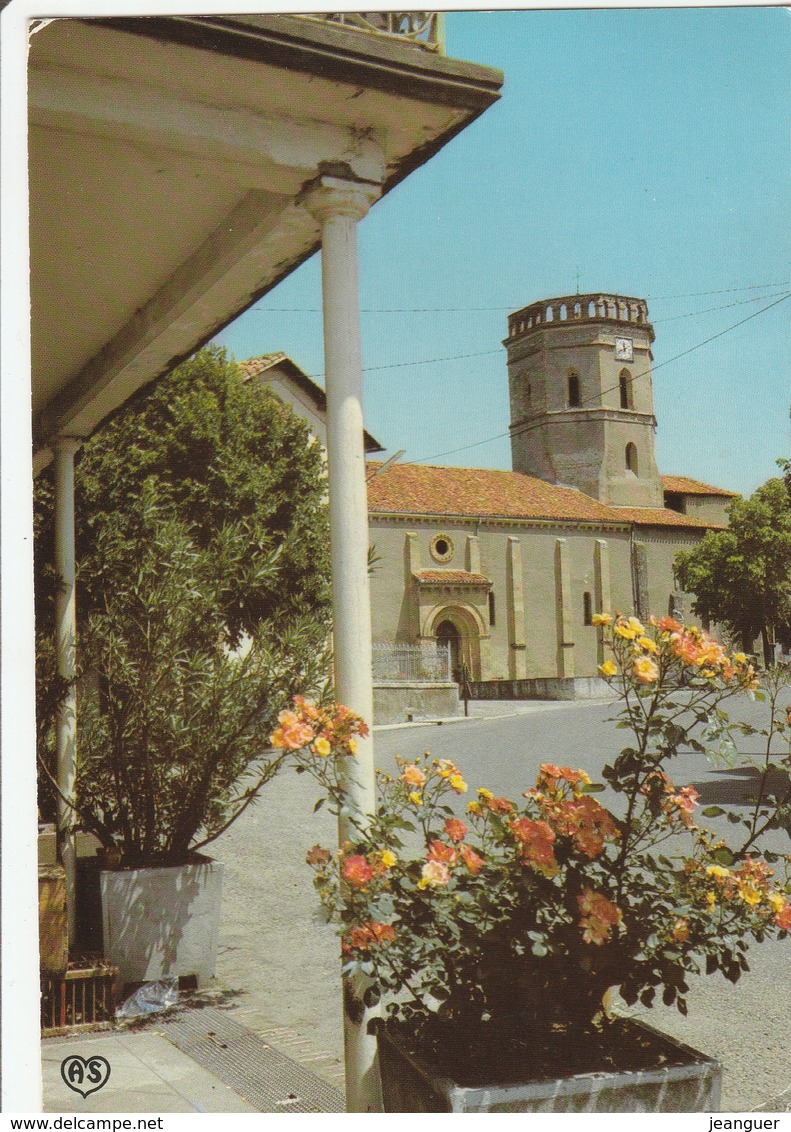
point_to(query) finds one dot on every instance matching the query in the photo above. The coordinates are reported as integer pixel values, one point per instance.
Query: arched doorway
(448, 634)
(461, 630)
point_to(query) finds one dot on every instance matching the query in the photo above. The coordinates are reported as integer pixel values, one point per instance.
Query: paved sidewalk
(492, 709)
(189, 1059)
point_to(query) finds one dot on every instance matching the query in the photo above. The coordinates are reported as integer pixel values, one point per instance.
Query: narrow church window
(631, 458)
(587, 608)
(491, 608)
(625, 380)
(574, 391)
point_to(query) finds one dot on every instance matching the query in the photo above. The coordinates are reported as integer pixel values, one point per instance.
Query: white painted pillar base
(66, 640)
(339, 204)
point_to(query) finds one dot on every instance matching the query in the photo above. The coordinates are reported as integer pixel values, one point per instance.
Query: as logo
(85, 1076)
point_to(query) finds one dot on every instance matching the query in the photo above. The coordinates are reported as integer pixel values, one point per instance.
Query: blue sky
(644, 148)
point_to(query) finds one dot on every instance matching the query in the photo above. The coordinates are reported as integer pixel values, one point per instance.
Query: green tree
(741, 576)
(203, 605)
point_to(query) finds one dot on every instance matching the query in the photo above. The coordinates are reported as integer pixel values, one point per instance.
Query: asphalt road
(282, 966)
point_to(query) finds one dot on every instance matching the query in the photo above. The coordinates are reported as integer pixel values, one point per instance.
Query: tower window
(625, 381)
(491, 608)
(574, 391)
(587, 609)
(631, 458)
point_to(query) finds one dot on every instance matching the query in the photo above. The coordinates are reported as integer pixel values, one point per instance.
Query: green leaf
(712, 811)
(723, 856)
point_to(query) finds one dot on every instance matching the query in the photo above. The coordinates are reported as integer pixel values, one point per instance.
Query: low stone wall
(549, 688)
(400, 703)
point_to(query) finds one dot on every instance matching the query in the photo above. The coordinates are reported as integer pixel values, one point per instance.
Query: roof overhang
(168, 158)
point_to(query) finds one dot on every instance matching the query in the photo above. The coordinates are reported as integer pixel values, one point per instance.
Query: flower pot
(163, 921)
(675, 1078)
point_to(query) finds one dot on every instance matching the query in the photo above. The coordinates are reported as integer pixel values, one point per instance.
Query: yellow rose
(776, 901)
(322, 746)
(739, 657)
(647, 644)
(416, 798)
(485, 794)
(645, 670)
(601, 619)
(625, 632)
(609, 668)
(388, 858)
(749, 894)
(718, 871)
(474, 808)
(457, 783)
(711, 899)
(352, 745)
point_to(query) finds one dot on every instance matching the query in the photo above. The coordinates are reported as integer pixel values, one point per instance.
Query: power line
(499, 349)
(708, 310)
(690, 350)
(423, 361)
(518, 306)
(724, 291)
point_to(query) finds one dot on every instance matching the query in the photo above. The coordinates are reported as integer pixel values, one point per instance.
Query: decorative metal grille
(422, 28)
(81, 999)
(428, 662)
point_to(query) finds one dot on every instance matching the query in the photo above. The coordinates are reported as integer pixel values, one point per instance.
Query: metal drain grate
(264, 1076)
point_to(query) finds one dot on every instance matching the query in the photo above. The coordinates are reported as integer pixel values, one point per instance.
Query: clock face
(624, 351)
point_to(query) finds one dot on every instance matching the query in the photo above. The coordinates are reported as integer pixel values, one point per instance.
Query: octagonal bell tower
(582, 404)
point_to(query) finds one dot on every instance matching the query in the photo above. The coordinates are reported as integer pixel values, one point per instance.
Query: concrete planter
(162, 921)
(691, 1083)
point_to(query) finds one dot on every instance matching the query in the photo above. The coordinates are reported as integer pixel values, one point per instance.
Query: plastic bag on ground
(151, 998)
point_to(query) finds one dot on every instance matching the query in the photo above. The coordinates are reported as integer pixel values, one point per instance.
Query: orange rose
(357, 871)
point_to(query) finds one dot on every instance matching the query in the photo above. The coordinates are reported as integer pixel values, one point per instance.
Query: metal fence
(427, 29)
(428, 662)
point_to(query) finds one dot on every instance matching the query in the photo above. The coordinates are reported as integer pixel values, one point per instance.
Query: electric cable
(515, 431)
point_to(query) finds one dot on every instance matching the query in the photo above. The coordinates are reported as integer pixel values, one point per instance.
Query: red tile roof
(686, 486)
(662, 517)
(424, 489)
(452, 577)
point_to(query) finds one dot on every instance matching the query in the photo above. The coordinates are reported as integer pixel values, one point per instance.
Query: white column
(339, 204)
(66, 639)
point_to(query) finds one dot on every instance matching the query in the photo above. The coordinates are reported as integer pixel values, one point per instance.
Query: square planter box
(162, 921)
(688, 1081)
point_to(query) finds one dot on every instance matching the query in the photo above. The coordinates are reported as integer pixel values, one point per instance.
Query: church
(508, 567)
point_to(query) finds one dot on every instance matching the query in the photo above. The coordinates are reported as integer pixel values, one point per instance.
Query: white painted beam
(253, 247)
(269, 149)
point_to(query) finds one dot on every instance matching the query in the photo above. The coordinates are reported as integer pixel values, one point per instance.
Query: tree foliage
(203, 604)
(741, 576)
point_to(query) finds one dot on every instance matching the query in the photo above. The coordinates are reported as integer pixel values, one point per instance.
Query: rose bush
(523, 913)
